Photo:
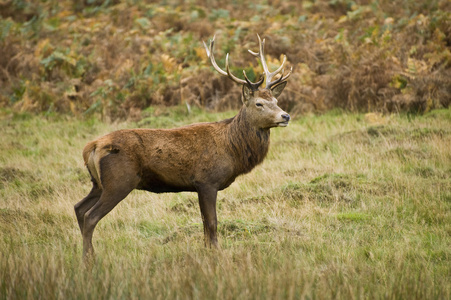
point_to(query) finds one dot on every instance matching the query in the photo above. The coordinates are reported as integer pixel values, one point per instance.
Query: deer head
(260, 102)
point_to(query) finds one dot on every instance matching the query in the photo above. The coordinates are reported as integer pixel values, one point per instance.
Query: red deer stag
(203, 158)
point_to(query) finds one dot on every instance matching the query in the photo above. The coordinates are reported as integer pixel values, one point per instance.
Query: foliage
(345, 206)
(119, 57)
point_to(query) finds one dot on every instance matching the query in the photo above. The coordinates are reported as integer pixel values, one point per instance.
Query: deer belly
(156, 183)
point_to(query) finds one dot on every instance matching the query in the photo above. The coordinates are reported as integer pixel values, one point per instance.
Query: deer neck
(247, 143)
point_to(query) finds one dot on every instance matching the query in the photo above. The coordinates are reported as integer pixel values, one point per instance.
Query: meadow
(346, 206)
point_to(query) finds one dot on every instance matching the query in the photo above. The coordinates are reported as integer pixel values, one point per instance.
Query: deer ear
(277, 89)
(247, 93)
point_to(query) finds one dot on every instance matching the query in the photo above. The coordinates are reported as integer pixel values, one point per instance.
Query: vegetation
(345, 206)
(116, 58)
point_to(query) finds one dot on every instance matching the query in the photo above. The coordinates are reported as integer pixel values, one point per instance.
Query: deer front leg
(207, 203)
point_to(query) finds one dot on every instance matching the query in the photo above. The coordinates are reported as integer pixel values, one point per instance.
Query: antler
(268, 74)
(252, 85)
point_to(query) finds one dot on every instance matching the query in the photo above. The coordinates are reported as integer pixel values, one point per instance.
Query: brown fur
(174, 160)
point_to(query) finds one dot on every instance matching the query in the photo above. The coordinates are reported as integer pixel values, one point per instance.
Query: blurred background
(118, 58)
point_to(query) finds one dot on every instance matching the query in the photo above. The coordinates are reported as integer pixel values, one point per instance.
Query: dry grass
(343, 207)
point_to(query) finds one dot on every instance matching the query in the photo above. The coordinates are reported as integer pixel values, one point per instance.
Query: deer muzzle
(285, 119)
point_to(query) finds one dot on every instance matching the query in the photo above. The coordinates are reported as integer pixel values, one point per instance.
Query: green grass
(341, 208)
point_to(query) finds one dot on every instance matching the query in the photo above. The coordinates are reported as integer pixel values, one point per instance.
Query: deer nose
(286, 117)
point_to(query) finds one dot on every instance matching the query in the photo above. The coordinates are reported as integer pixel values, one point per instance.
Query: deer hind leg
(118, 180)
(84, 205)
(108, 200)
(207, 203)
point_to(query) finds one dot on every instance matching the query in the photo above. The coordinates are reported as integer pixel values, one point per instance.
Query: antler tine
(286, 76)
(281, 78)
(231, 76)
(261, 54)
(269, 75)
(215, 65)
(212, 57)
(254, 86)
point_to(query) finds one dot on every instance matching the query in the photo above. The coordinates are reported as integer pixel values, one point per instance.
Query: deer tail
(92, 162)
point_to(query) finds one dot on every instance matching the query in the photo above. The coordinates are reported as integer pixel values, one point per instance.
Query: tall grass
(345, 206)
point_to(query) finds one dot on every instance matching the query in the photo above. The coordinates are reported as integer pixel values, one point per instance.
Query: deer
(203, 157)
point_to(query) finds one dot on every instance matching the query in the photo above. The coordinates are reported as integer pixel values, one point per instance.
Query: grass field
(345, 206)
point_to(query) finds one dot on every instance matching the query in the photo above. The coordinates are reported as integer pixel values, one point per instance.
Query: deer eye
(258, 104)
